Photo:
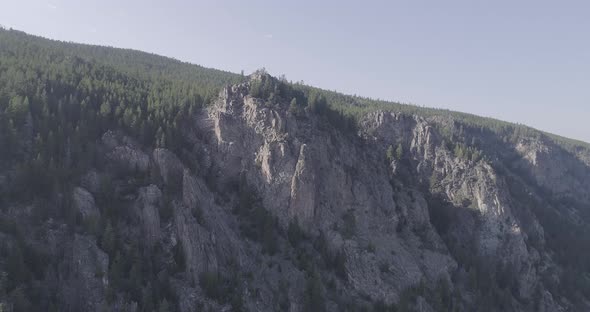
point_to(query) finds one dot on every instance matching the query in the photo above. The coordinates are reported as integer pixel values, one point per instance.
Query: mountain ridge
(130, 189)
(462, 116)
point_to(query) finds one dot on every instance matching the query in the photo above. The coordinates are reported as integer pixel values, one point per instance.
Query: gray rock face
(320, 179)
(87, 278)
(499, 234)
(332, 205)
(91, 182)
(303, 188)
(132, 159)
(553, 168)
(125, 152)
(209, 244)
(170, 167)
(323, 179)
(84, 203)
(148, 204)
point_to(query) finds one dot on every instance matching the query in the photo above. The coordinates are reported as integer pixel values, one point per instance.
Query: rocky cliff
(267, 209)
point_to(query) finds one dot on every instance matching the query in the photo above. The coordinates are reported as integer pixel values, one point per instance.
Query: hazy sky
(521, 61)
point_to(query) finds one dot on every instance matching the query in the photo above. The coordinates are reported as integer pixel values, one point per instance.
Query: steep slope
(267, 197)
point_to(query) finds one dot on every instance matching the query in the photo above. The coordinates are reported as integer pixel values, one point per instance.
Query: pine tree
(399, 151)
(389, 153)
(105, 109)
(294, 108)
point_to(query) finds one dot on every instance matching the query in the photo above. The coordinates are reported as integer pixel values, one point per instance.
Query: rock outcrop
(266, 208)
(84, 204)
(125, 152)
(149, 202)
(169, 166)
(86, 277)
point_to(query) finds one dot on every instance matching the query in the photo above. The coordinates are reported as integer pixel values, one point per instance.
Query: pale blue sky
(521, 61)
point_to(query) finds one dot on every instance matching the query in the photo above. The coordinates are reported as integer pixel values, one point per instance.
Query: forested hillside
(64, 96)
(135, 182)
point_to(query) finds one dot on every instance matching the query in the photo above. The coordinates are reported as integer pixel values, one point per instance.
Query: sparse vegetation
(467, 152)
(256, 222)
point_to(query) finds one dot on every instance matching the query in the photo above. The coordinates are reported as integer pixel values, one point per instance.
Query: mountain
(134, 182)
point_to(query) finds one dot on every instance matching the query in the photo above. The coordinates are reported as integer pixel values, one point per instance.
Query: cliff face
(332, 185)
(269, 210)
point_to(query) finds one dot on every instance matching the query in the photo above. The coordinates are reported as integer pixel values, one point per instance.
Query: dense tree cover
(357, 106)
(142, 65)
(467, 152)
(343, 111)
(57, 99)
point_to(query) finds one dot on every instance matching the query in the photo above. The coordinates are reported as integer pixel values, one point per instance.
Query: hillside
(134, 182)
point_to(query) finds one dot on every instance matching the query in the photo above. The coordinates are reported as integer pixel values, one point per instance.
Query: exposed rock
(169, 166)
(125, 152)
(208, 241)
(131, 159)
(148, 204)
(87, 276)
(91, 181)
(552, 167)
(110, 139)
(372, 227)
(328, 176)
(303, 188)
(547, 304)
(499, 234)
(84, 203)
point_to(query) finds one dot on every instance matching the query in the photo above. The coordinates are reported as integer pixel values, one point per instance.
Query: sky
(521, 61)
